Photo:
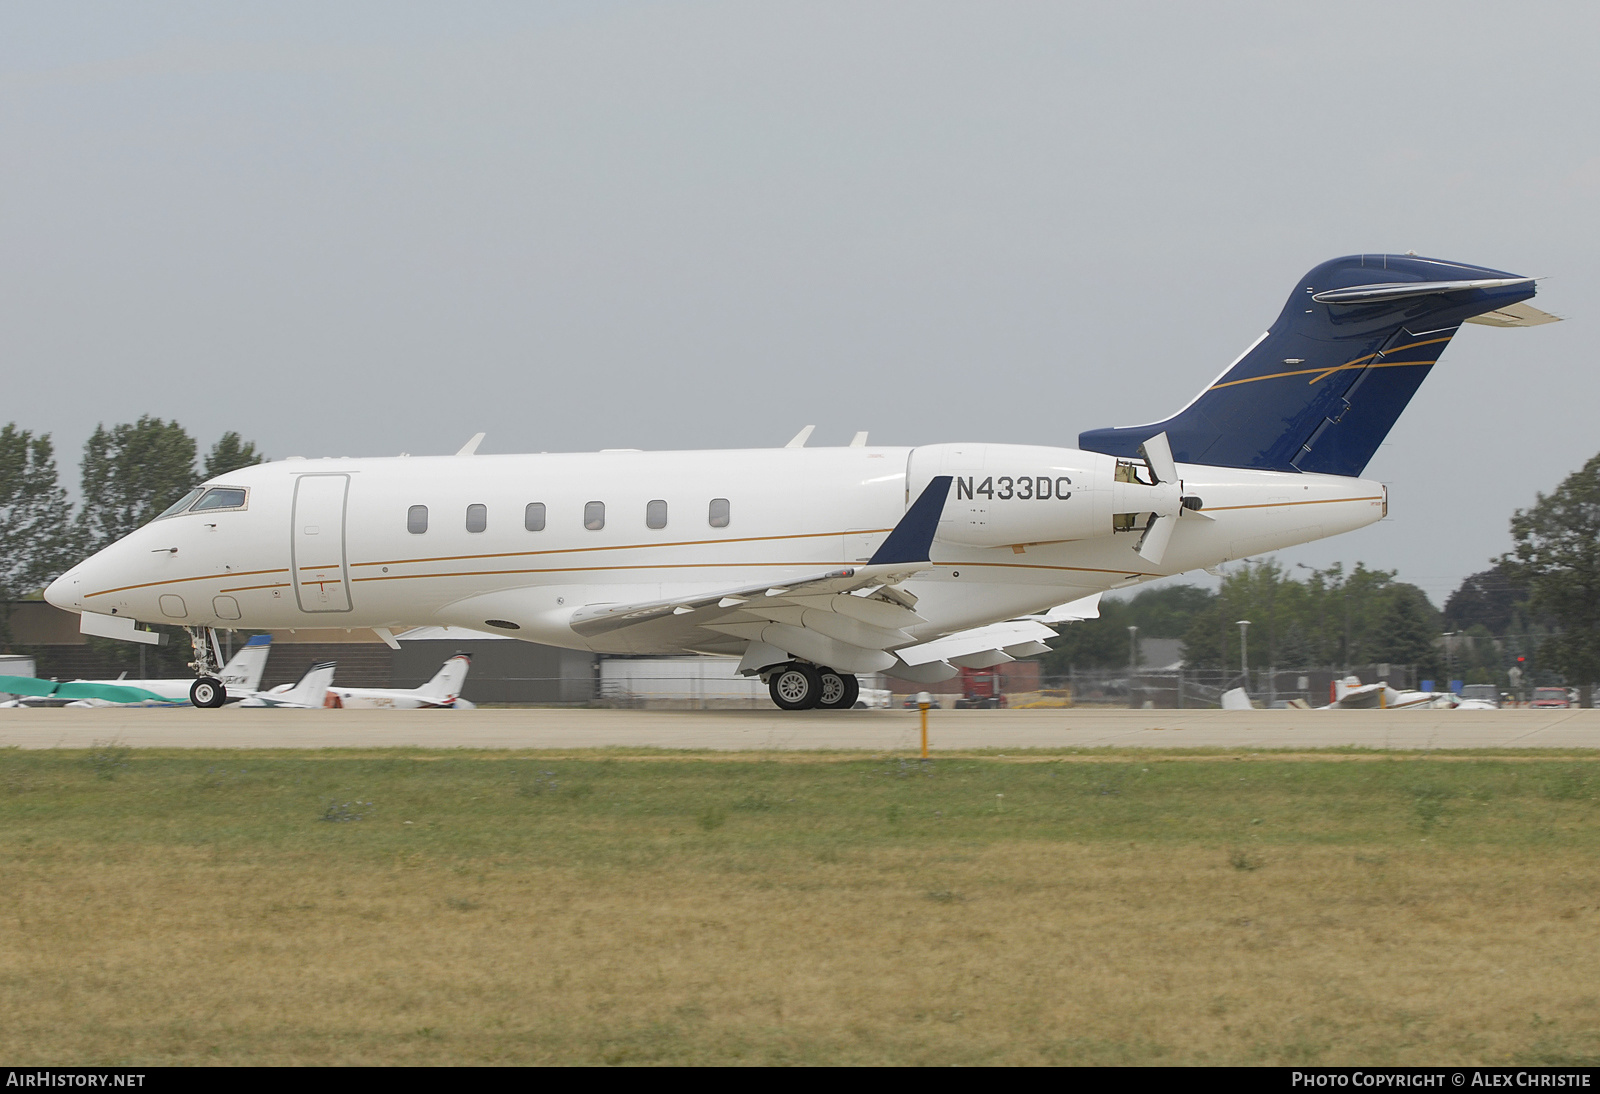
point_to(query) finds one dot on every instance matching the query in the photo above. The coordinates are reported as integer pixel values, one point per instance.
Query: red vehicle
(980, 690)
(1551, 697)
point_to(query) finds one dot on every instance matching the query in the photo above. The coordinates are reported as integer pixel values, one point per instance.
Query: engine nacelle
(1007, 494)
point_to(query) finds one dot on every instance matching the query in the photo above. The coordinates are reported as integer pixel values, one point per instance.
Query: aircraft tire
(208, 693)
(840, 690)
(795, 687)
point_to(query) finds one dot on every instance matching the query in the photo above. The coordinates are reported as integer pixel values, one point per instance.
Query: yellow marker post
(924, 701)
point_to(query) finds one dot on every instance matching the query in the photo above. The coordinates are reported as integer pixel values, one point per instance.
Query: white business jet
(444, 690)
(811, 565)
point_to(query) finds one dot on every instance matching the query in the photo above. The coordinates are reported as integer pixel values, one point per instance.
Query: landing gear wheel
(207, 692)
(839, 690)
(795, 687)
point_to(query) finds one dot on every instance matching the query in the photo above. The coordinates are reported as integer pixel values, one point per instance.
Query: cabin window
(224, 497)
(594, 515)
(719, 512)
(417, 519)
(477, 518)
(655, 514)
(533, 516)
(181, 504)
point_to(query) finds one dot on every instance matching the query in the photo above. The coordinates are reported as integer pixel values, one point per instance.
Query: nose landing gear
(207, 691)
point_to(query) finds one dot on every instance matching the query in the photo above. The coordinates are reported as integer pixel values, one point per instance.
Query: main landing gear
(207, 691)
(799, 686)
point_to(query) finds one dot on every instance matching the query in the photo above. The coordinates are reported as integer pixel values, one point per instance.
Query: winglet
(912, 538)
(799, 439)
(471, 447)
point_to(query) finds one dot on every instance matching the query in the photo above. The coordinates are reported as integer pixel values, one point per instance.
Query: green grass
(174, 906)
(612, 809)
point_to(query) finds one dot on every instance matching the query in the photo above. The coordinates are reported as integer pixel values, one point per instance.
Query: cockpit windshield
(182, 503)
(217, 497)
(221, 497)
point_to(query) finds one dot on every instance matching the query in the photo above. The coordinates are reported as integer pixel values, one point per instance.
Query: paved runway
(764, 730)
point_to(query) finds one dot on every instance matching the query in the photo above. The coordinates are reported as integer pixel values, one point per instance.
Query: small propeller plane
(443, 690)
(310, 693)
(811, 565)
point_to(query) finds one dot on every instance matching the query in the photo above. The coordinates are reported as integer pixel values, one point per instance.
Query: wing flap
(979, 640)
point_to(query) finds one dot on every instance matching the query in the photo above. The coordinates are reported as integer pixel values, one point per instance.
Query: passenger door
(319, 568)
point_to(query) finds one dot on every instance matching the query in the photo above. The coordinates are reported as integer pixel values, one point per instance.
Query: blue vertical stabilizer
(1322, 388)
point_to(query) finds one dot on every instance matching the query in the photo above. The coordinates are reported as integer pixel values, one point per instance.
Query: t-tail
(242, 674)
(312, 690)
(1320, 390)
(445, 687)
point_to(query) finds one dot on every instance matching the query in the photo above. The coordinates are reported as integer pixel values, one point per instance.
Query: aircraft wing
(755, 599)
(109, 693)
(78, 689)
(27, 685)
(845, 617)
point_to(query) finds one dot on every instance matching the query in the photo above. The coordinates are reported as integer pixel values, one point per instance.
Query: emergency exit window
(477, 518)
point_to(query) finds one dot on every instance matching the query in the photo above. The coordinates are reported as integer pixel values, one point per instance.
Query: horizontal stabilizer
(1515, 315)
(1406, 290)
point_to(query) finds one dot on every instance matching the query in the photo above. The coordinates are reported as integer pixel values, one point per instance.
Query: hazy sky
(362, 228)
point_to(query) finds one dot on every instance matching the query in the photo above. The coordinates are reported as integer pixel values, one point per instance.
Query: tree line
(1535, 609)
(1325, 618)
(128, 475)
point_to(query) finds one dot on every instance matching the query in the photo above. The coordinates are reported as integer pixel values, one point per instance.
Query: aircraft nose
(65, 591)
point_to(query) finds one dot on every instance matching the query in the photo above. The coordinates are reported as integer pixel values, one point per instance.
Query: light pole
(1449, 658)
(1244, 651)
(1133, 660)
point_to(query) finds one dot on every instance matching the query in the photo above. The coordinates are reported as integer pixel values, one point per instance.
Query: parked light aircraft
(812, 565)
(311, 692)
(240, 677)
(444, 690)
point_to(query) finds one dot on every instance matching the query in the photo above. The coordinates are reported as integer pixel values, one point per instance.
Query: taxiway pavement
(763, 730)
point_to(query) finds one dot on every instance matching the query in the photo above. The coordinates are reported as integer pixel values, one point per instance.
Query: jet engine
(1005, 495)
